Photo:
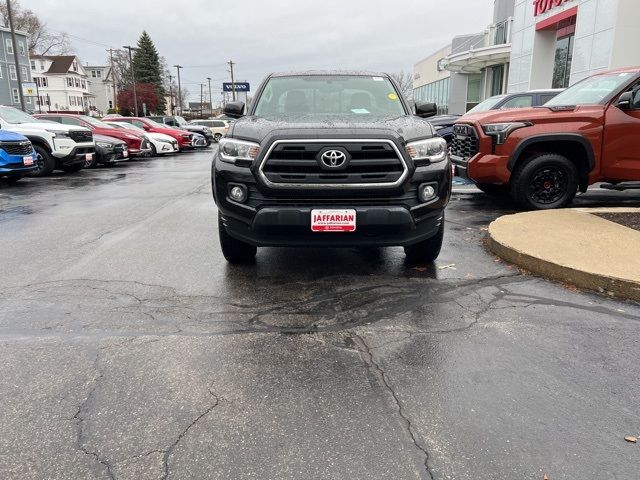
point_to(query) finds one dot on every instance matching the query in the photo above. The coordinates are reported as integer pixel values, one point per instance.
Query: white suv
(219, 128)
(57, 146)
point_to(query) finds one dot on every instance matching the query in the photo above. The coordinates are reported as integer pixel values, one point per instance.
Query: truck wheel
(45, 163)
(234, 251)
(427, 250)
(217, 137)
(493, 189)
(545, 182)
(72, 168)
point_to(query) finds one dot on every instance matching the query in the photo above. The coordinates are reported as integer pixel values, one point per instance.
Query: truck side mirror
(624, 101)
(234, 109)
(426, 109)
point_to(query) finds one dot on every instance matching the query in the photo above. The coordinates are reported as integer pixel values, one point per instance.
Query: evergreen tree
(148, 68)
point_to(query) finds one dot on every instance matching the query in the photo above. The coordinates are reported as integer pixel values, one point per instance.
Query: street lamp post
(210, 98)
(133, 76)
(178, 67)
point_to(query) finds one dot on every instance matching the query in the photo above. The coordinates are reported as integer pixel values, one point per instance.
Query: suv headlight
(104, 144)
(501, 131)
(431, 150)
(233, 150)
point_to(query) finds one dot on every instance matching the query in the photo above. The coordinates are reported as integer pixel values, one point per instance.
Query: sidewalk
(574, 246)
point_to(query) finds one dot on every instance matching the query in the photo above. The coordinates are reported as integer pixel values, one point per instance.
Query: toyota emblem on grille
(333, 158)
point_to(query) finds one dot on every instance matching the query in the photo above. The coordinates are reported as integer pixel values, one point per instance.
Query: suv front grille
(464, 144)
(80, 136)
(297, 163)
(16, 148)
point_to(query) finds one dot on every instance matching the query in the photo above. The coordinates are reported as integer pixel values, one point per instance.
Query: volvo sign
(240, 87)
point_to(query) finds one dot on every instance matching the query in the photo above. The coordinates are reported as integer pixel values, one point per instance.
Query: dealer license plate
(333, 220)
(27, 161)
(125, 153)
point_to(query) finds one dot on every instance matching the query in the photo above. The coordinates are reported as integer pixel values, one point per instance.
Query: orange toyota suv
(542, 156)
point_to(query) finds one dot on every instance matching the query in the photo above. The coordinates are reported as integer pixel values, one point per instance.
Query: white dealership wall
(607, 36)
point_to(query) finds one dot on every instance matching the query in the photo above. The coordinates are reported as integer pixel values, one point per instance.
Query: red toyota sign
(543, 6)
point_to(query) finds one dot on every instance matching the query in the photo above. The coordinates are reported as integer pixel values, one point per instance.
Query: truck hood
(49, 126)
(535, 115)
(405, 128)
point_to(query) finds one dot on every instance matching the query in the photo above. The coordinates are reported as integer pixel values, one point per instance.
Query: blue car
(17, 156)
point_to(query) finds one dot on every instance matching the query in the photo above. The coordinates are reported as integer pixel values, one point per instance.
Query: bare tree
(405, 81)
(41, 40)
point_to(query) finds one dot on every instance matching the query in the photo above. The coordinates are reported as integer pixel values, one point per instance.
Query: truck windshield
(330, 95)
(487, 104)
(12, 115)
(592, 91)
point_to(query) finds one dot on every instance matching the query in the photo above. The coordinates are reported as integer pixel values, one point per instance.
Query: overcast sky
(267, 35)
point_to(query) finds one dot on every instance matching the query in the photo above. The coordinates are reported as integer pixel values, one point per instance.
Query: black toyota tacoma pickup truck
(336, 159)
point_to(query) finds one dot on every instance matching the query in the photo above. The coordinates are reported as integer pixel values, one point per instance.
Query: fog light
(426, 192)
(238, 193)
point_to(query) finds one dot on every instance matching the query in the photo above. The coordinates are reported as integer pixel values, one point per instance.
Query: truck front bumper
(483, 168)
(383, 218)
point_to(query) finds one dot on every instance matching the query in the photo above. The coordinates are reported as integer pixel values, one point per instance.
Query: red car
(137, 144)
(184, 138)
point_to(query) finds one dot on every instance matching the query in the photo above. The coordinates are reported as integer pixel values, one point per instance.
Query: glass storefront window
(497, 76)
(474, 90)
(436, 92)
(562, 62)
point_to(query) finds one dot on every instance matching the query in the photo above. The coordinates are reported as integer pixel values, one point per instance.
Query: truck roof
(344, 73)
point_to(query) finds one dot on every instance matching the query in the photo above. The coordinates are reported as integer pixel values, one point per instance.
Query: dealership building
(532, 44)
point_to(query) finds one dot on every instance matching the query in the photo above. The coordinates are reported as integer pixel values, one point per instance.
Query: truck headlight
(233, 150)
(431, 150)
(501, 131)
(58, 134)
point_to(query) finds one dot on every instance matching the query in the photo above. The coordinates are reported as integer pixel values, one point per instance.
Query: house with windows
(9, 87)
(100, 83)
(62, 83)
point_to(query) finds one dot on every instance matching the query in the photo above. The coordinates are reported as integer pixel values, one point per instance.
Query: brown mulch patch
(631, 220)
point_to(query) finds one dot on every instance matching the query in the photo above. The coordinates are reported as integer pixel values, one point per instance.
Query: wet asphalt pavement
(129, 349)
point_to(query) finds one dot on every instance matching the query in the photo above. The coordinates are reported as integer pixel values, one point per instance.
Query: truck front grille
(80, 136)
(298, 163)
(464, 144)
(16, 148)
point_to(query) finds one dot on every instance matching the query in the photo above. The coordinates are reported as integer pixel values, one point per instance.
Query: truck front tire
(544, 182)
(427, 250)
(234, 251)
(45, 163)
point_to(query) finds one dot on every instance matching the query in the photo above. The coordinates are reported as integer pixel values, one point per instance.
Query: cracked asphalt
(130, 350)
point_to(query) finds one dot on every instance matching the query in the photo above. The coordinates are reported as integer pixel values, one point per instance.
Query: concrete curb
(545, 266)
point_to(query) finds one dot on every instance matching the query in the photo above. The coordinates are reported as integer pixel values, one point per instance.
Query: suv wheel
(45, 163)
(234, 251)
(427, 250)
(493, 189)
(545, 182)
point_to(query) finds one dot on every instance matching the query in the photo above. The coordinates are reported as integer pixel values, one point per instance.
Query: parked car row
(39, 144)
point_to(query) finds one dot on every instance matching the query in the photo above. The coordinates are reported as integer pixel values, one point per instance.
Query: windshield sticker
(392, 96)
(378, 79)
(360, 111)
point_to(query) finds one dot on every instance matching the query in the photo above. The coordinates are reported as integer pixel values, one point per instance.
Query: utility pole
(210, 99)
(178, 67)
(171, 112)
(113, 80)
(201, 105)
(233, 84)
(133, 76)
(15, 54)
